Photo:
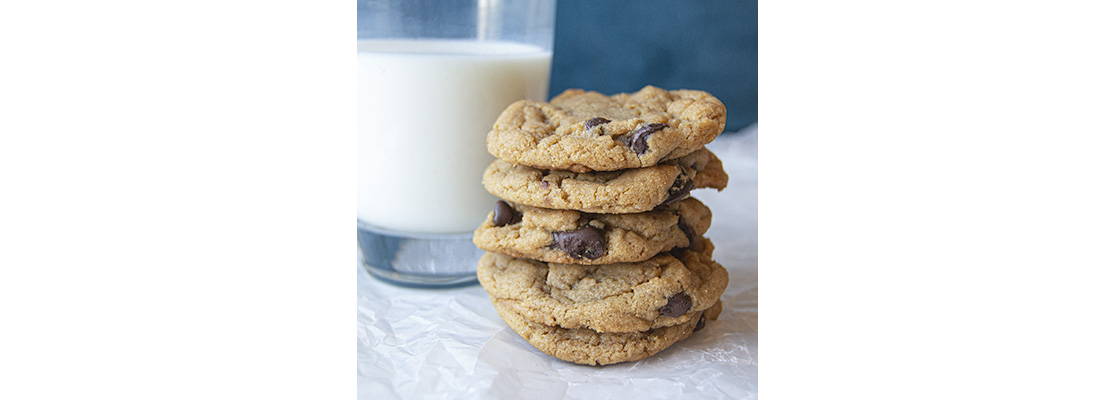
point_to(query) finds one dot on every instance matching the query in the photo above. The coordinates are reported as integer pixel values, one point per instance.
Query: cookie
(567, 236)
(668, 289)
(614, 192)
(587, 131)
(585, 346)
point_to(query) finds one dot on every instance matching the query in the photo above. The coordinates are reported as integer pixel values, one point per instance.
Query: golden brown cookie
(585, 346)
(567, 236)
(587, 131)
(668, 289)
(615, 192)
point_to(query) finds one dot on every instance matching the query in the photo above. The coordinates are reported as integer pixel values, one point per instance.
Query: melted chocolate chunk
(592, 123)
(700, 324)
(681, 188)
(583, 242)
(685, 229)
(677, 306)
(505, 214)
(638, 139)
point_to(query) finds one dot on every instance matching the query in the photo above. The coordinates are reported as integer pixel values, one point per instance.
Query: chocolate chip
(505, 214)
(592, 123)
(583, 242)
(677, 306)
(700, 324)
(638, 139)
(685, 229)
(681, 188)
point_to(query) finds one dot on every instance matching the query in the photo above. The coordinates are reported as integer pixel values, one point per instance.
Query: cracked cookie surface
(668, 289)
(537, 233)
(585, 131)
(613, 192)
(585, 346)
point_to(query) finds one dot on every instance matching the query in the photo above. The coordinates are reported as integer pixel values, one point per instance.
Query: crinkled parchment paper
(450, 343)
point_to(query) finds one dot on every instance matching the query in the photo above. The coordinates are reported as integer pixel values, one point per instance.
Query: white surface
(451, 343)
(401, 82)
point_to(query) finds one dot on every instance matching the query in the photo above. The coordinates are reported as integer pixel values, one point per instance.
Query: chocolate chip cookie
(668, 289)
(586, 346)
(587, 131)
(626, 191)
(567, 236)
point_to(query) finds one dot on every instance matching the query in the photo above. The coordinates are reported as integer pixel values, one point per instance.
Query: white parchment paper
(415, 344)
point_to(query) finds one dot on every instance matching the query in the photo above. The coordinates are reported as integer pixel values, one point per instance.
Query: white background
(936, 208)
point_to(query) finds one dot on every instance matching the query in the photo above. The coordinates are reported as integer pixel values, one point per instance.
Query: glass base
(418, 260)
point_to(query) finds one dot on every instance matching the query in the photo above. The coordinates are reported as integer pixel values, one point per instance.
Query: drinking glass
(433, 76)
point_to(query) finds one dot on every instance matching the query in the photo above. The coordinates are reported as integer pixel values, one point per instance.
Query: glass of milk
(433, 76)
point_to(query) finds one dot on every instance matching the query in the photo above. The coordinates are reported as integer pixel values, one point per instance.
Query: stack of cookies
(596, 253)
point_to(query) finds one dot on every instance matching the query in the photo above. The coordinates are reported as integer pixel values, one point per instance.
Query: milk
(425, 109)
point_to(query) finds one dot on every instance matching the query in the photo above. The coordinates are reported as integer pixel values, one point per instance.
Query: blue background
(614, 46)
